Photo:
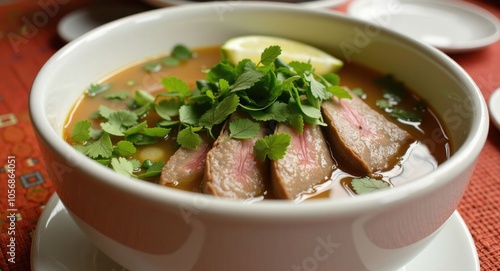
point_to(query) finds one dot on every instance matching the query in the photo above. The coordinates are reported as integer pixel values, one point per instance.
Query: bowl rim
(314, 209)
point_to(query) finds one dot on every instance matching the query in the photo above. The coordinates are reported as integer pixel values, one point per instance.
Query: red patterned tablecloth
(28, 38)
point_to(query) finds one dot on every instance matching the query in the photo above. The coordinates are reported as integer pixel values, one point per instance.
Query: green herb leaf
(103, 161)
(300, 67)
(359, 92)
(122, 95)
(170, 61)
(246, 80)
(135, 163)
(81, 148)
(281, 111)
(223, 88)
(95, 133)
(187, 138)
(140, 139)
(100, 148)
(105, 111)
(152, 67)
(383, 104)
(143, 97)
(420, 105)
(296, 121)
(136, 129)
(367, 185)
(123, 117)
(270, 54)
(288, 83)
(95, 115)
(222, 70)
(176, 85)
(122, 166)
(317, 89)
(406, 115)
(125, 148)
(118, 121)
(278, 111)
(339, 92)
(153, 170)
(273, 146)
(95, 89)
(393, 90)
(167, 123)
(81, 131)
(156, 131)
(243, 129)
(181, 52)
(142, 111)
(167, 109)
(218, 114)
(311, 111)
(332, 78)
(188, 115)
(112, 128)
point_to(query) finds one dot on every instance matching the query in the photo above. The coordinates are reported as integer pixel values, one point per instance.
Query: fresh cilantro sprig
(81, 131)
(272, 146)
(97, 144)
(128, 128)
(269, 90)
(243, 129)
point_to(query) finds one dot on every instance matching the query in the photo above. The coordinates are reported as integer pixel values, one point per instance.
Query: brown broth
(418, 160)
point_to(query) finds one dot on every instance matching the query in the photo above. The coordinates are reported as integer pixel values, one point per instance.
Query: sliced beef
(186, 166)
(307, 162)
(232, 170)
(362, 137)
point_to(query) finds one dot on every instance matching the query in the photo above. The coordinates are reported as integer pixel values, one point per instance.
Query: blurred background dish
(307, 3)
(80, 21)
(494, 105)
(451, 26)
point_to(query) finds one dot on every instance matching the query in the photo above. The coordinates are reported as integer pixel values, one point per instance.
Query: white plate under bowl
(450, 25)
(58, 244)
(306, 3)
(494, 105)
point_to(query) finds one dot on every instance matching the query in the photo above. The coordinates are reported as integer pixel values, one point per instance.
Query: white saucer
(450, 25)
(58, 244)
(80, 21)
(306, 3)
(494, 105)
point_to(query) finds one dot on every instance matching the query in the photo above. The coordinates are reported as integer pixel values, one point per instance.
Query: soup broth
(430, 147)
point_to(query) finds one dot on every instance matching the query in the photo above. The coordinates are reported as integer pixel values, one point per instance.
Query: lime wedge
(251, 47)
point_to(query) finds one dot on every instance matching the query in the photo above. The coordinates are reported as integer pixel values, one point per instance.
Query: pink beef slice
(186, 166)
(361, 137)
(307, 162)
(232, 170)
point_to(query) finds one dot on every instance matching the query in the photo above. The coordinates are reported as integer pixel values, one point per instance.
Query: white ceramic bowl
(143, 226)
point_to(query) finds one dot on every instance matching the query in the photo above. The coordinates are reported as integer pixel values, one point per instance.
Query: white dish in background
(58, 244)
(80, 21)
(494, 105)
(449, 25)
(307, 3)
